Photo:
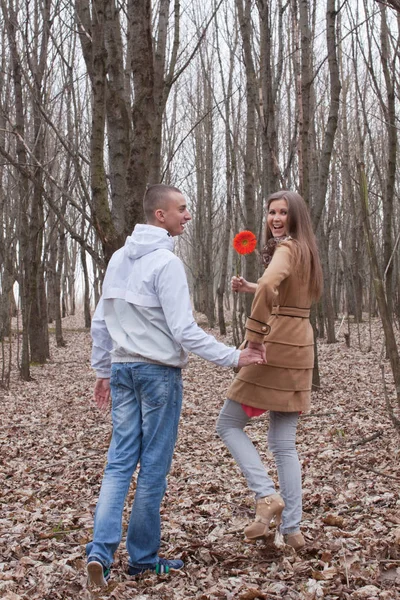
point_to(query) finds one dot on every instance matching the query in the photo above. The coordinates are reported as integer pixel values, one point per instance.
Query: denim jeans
(282, 444)
(146, 405)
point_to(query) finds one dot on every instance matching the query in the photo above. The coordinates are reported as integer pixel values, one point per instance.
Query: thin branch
(188, 134)
(27, 173)
(367, 439)
(171, 80)
(395, 4)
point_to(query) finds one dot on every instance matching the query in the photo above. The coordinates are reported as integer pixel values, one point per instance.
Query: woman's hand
(239, 284)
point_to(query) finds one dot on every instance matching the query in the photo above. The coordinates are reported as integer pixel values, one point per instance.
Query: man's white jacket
(145, 311)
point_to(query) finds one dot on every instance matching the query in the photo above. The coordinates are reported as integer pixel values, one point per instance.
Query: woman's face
(277, 218)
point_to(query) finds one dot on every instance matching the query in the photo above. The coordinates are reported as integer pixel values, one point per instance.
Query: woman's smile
(277, 218)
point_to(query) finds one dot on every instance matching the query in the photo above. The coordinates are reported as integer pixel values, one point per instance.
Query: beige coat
(279, 318)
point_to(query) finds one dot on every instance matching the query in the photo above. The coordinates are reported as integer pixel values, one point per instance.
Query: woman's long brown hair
(299, 228)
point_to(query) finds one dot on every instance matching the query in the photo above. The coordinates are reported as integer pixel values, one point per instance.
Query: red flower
(245, 242)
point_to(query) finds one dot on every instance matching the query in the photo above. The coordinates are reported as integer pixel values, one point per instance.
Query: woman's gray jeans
(282, 444)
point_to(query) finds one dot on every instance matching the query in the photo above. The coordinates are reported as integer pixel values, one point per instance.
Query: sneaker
(98, 575)
(161, 567)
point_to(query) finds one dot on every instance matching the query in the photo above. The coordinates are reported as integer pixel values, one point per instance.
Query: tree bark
(391, 125)
(229, 166)
(57, 287)
(270, 81)
(305, 97)
(331, 126)
(244, 14)
(10, 18)
(384, 312)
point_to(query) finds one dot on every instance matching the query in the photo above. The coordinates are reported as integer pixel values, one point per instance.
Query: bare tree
(227, 87)
(380, 296)
(130, 91)
(244, 15)
(10, 19)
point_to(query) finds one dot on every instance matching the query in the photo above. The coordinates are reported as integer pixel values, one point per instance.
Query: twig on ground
(345, 564)
(371, 469)
(380, 473)
(318, 414)
(367, 439)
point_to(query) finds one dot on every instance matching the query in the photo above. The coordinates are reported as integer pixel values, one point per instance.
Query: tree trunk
(38, 323)
(328, 302)
(229, 165)
(305, 97)
(57, 287)
(391, 126)
(244, 14)
(331, 126)
(354, 239)
(384, 312)
(10, 18)
(86, 291)
(269, 85)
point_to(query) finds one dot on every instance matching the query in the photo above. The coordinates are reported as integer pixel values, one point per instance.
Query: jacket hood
(146, 239)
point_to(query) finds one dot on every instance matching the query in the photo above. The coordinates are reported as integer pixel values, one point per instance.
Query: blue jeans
(282, 444)
(146, 405)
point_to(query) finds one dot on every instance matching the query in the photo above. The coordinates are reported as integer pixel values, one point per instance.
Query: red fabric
(255, 412)
(252, 412)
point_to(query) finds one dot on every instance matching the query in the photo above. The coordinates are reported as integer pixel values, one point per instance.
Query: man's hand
(101, 394)
(253, 354)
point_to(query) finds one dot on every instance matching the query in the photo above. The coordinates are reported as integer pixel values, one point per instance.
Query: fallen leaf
(251, 594)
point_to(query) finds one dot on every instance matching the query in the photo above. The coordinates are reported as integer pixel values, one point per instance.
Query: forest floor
(53, 450)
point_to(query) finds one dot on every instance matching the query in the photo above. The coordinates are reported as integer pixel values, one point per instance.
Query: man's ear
(159, 215)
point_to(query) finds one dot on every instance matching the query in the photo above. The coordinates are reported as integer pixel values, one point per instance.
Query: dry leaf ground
(53, 450)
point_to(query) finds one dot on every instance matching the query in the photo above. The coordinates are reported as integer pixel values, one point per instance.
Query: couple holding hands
(143, 329)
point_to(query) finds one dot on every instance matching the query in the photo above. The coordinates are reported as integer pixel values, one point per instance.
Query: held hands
(101, 394)
(253, 354)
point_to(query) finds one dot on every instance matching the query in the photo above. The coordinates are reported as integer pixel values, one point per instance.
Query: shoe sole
(96, 575)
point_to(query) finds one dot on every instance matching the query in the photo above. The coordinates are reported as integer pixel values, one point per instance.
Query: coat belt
(291, 311)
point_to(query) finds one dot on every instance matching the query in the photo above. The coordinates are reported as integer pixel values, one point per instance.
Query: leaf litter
(53, 452)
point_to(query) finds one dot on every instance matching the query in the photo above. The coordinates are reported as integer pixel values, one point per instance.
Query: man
(142, 329)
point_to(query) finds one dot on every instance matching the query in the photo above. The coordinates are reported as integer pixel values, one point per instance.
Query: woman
(280, 320)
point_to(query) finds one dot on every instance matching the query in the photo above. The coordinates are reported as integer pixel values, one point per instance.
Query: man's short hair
(155, 197)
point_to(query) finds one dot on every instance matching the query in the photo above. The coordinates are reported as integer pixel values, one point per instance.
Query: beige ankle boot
(296, 540)
(268, 508)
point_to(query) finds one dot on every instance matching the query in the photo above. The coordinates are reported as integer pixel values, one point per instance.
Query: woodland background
(229, 100)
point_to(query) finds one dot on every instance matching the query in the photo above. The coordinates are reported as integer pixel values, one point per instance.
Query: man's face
(175, 215)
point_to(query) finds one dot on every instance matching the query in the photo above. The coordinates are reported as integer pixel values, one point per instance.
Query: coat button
(263, 328)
